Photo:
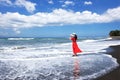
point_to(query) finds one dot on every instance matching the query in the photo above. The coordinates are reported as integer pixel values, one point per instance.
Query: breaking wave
(42, 59)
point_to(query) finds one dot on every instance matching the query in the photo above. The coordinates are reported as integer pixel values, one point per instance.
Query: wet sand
(115, 74)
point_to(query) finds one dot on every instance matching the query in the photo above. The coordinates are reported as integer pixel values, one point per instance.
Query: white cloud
(29, 6)
(88, 3)
(16, 31)
(5, 2)
(50, 2)
(58, 17)
(67, 3)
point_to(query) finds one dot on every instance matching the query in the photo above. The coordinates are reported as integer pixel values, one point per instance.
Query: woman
(75, 47)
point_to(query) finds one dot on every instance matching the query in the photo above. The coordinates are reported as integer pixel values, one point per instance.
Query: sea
(51, 58)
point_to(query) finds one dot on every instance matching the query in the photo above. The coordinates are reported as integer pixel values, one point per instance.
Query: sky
(58, 18)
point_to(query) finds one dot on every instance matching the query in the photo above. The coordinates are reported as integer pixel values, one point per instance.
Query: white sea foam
(90, 40)
(54, 61)
(85, 66)
(30, 51)
(20, 38)
(97, 45)
(56, 49)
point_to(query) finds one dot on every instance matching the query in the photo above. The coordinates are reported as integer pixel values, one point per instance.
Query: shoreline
(114, 74)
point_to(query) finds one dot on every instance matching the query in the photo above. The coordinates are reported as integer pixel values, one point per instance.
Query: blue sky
(58, 18)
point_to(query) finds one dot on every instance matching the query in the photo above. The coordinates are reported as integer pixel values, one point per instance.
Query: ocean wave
(89, 40)
(38, 48)
(55, 61)
(88, 67)
(20, 38)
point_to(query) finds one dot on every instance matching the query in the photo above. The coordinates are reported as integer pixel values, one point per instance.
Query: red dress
(75, 46)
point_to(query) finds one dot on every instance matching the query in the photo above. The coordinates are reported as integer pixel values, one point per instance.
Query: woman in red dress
(75, 47)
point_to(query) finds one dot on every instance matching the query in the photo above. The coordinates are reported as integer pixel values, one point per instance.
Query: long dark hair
(75, 36)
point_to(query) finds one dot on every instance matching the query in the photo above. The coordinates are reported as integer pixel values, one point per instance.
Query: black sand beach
(115, 74)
